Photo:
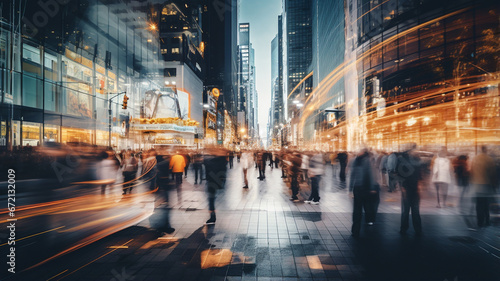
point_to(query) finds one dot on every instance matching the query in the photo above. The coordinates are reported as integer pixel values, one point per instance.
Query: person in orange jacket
(177, 165)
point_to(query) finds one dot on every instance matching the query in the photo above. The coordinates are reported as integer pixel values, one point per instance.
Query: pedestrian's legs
(211, 192)
(245, 177)
(178, 179)
(405, 211)
(295, 187)
(357, 214)
(315, 188)
(437, 185)
(414, 201)
(372, 207)
(261, 171)
(196, 172)
(342, 172)
(392, 181)
(186, 171)
(482, 211)
(127, 178)
(444, 190)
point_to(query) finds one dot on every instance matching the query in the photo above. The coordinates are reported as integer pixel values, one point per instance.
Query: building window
(175, 50)
(169, 72)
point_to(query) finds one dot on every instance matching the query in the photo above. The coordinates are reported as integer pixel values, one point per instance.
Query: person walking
(342, 157)
(462, 175)
(409, 171)
(392, 166)
(261, 162)
(106, 170)
(316, 170)
(304, 167)
(216, 171)
(441, 176)
(197, 166)
(177, 166)
(245, 164)
(231, 159)
(295, 173)
(149, 168)
(383, 169)
(362, 185)
(187, 161)
(484, 181)
(129, 171)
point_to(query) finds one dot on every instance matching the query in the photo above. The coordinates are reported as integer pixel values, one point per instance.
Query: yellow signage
(215, 92)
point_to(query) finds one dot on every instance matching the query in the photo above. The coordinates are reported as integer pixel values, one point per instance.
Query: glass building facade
(298, 34)
(61, 64)
(423, 72)
(328, 47)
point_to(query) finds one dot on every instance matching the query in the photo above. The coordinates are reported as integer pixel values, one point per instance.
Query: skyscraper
(298, 26)
(274, 110)
(247, 94)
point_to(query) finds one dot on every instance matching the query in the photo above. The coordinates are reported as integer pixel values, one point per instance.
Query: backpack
(392, 162)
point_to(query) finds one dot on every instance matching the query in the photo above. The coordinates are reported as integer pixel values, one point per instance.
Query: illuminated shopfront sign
(164, 127)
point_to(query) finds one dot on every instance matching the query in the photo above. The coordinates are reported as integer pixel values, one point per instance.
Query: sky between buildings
(263, 18)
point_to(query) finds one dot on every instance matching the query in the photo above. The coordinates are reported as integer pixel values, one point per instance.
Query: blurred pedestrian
(216, 171)
(304, 167)
(187, 161)
(316, 170)
(231, 158)
(245, 164)
(106, 170)
(177, 166)
(284, 161)
(270, 156)
(362, 186)
(441, 176)
(294, 171)
(462, 174)
(149, 169)
(383, 169)
(392, 166)
(342, 157)
(484, 182)
(409, 171)
(198, 167)
(261, 163)
(276, 156)
(129, 171)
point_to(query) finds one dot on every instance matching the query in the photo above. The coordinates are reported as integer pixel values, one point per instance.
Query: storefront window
(16, 133)
(31, 134)
(71, 135)
(3, 133)
(51, 133)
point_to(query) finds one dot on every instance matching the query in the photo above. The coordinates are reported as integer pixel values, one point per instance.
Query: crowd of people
(364, 174)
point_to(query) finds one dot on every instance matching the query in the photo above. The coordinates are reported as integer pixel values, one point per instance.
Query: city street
(259, 235)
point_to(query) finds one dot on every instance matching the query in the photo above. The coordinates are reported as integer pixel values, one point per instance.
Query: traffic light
(125, 99)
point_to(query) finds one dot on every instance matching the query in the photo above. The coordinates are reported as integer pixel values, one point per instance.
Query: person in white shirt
(106, 170)
(316, 170)
(245, 161)
(441, 176)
